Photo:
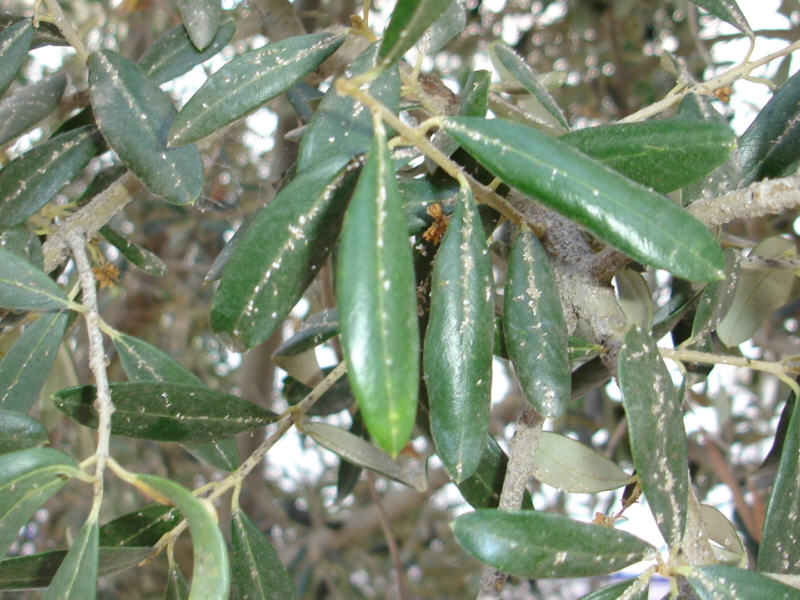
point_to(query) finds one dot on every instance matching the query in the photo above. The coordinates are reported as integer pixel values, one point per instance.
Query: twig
(66, 28)
(386, 526)
(709, 358)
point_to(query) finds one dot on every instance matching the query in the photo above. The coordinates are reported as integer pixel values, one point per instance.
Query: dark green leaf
(280, 253)
(728, 11)
(720, 582)
(409, 21)
(25, 366)
(169, 412)
(19, 431)
(177, 588)
(716, 299)
(418, 194)
(201, 19)
(23, 243)
(30, 181)
(24, 287)
(211, 573)
(482, 489)
(45, 34)
(534, 326)
(247, 82)
(312, 332)
(335, 399)
(133, 115)
(76, 577)
(376, 295)
(531, 544)
(138, 256)
(173, 54)
(619, 590)
(646, 226)
(769, 147)
(29, 105)
(15, 41)
(475, 95)
(458, 342)
(142, 527)
(27, 479)
(257, 572)
(341, 126)
(655, 429)
(665, 155)
(348, 474)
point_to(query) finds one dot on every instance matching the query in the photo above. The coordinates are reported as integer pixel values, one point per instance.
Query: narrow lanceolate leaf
(173, 54)
(779, 550)
(76, 578)
(409, 21)
(29, 105)
(721, 531)
(534, 544)
(316, 329)
(211, 573)
(458, 342)
(140, 257)
(201, 19)
(280, 252)
(716, 298)
(630, 589)
(655, 429)
(360, 452)
(27, 479)
(15, 41)
(177, 588)
(534, 326)
(769, 147)
(482, 489)
(634, 298)
(257, 572)
(133, 115)
(665, 155)
(720, 582)
(376, 295)
(24, 287)
(728, 11)
(143, 527)
(568, 465)
(341, 126)
(449, 24)
(505, 58)
(19, 431)
(169, 412)
(25, 366)
(475, 95)
(31, 180)
(645, 225)
(247, 82)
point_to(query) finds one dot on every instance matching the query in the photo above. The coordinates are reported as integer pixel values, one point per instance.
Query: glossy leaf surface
(656, 433)
(728, 11)
(142, 527)
(133, 115)
(247, 82)
(24, 287)
(376, 295)
(535, 328)
(619, 591)
(458, 342)
(19, 431)
(76, 578)
(720, 582)
(29, 105)
(169, 412)
(15, 40)
(482, 489)
(201, 19)
(532, 544)
(316, 329)
(138, 256)
(644, 225)
(408, 22)
(475, 97)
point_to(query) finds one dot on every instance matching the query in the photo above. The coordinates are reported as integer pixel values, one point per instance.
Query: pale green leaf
(76, 578)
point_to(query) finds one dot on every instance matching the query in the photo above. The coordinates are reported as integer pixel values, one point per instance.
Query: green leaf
(142, 527)
(779, 550)
(620, 590)
(360, 452)
(201, 19)
(138, 256)
(30, 181)
(26, 244)
(449, 24)
(27, 479)
(25, 366)
(721, 531)
(15, 40)
(646, 226)
(634, 298)
(133, 115)
(475, 95)
(532, 544)
(535, 328)
(247, 82)
(720, 582)
(408, 22)
(341, 126)
(37, 570)
(665, 155)
(458, 342)
(728, 11)
(769, 147)
(482, 489)
(168, 412)
(348, 474)
(418, 194)
(335, 399)
(717, 297)
(257, 572)
(280, 253)
(173, 54)
(312, 332)
(376, 295)
(76, 577)
(177, 588)
(504, 58)
(759, 293)
(19, 431)
(29, 105)
(211, 573)
(655, 429)
(568, 465)
(24, 287)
